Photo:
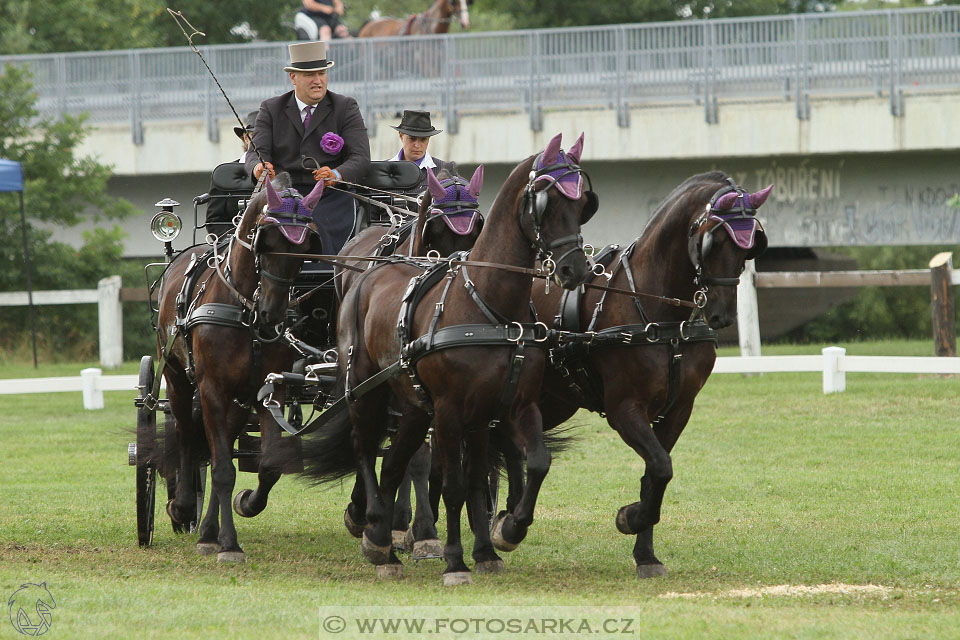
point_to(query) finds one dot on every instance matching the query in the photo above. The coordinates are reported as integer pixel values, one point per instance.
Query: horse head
(462, 7)
(723, 234)
(278, 220)
(553, 205)
(450, 218)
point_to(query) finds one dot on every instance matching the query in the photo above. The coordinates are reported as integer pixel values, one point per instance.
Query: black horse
(223, 311)
(469, 367)
(647, 358)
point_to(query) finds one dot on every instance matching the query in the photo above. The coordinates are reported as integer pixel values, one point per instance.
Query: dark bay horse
(649, 359)
(482, 377)
(222, 311)
(448, 221)
(436, 19)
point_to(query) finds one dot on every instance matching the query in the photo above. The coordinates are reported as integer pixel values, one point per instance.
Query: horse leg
(447, 435)
(423, 532)
(395, 463)
(353, 516)
(510, 529)
(182, 507)
(365, 415)
(402, 513)
(230, 418)
(638, 518)
(248, 503)
(513, 463)
(478, 476)
(209, 530)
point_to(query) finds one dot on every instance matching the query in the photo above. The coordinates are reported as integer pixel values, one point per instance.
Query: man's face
(310, 86)
(413, 148)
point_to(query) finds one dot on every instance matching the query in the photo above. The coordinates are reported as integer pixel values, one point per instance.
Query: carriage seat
(230, 188)
(400, 177)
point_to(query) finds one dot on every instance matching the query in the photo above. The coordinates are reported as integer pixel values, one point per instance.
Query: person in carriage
(415, 131)
(314, 135)
(226, 178)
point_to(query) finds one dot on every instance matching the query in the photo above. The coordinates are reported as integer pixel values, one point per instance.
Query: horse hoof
(427, 549)
(651, 571)
(400, 540)
(489, 566)
(455, 578)
(374, 553)
(231, 556)
(356, 530)
(238, 503)
(389, 571)
(622, 525)
(496, 535)
(208, 548)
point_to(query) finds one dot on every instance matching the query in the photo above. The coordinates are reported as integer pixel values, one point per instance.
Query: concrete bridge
(852, 116)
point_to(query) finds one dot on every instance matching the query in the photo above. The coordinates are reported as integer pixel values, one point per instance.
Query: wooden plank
(135, 294)
(768, 364)
(905, 277)
(76, 296)
(900, 364)
(942, 307)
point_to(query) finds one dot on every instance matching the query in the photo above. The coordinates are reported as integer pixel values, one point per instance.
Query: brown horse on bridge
(460, 348)
(436, 19)
(644, 359)
(219, 326)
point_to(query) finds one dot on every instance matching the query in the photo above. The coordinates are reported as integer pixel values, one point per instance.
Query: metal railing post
(136, 106)
(802, 104)
(213, 132)
(450, 86)
(895, 39)
(367, 106)
(536, 120)
(623, 116)
(61, 65)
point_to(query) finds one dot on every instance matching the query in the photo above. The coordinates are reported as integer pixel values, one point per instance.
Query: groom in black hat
(415, 133)
(313, 134)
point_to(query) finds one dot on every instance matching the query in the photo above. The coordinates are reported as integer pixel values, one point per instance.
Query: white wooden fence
(833, 363)
(107, 297)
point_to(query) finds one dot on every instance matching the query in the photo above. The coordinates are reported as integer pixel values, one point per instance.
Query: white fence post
(92, 393)
(748, 314)
(834, 378)
(111, 322)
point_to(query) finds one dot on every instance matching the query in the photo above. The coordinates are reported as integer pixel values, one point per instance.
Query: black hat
(248, 128)
(416, 124)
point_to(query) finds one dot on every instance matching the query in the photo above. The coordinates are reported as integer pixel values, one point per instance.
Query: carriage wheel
(146, 444)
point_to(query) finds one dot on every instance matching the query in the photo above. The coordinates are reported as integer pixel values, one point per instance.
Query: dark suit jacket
(279, 136)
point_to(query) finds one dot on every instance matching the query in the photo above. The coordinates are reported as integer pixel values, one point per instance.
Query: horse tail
(328, 453)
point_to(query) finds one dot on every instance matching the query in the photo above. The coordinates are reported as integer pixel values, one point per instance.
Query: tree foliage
(60, 190)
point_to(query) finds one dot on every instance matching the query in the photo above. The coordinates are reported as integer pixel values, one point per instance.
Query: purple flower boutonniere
(331, 143)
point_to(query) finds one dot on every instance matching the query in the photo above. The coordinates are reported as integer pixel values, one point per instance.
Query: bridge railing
(792, 58)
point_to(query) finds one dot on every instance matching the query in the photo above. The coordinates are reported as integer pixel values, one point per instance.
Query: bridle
(534, 208)
(295, 226)
(699, 245)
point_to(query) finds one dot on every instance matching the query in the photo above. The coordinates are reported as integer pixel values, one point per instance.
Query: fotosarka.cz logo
(30, 608)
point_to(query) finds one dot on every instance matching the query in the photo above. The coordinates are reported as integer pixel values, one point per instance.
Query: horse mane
(685, 195)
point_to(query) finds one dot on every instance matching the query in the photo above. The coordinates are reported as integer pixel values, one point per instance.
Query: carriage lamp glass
(165, 226)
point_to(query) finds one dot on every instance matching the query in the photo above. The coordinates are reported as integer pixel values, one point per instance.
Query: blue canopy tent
(11, 179)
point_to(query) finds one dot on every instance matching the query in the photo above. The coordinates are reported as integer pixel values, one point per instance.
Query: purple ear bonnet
(286, 212)
(458, 207)
(569, 183)
(736, 211)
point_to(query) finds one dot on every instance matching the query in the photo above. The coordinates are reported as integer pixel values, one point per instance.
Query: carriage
(471, 362)
(387, 188)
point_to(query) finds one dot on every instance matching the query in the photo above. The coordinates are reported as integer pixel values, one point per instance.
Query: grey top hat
(308, 56)
(416, 124)
(248, 127)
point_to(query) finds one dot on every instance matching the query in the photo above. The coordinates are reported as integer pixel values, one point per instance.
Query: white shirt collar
(302, 105)
(427, 163)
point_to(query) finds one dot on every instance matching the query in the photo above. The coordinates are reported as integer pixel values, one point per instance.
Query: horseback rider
(415, 131)
(314, 134)
(320, 20)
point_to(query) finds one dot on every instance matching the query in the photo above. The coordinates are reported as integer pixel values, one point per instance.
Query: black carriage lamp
(166, 225)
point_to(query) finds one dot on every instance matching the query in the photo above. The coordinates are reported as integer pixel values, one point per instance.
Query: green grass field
(791, 515)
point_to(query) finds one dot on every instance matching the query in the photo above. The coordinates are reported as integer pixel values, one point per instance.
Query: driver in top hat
(415, 133)
(313, 134)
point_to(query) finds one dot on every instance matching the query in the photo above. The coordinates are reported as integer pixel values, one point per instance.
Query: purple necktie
(306, 118)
